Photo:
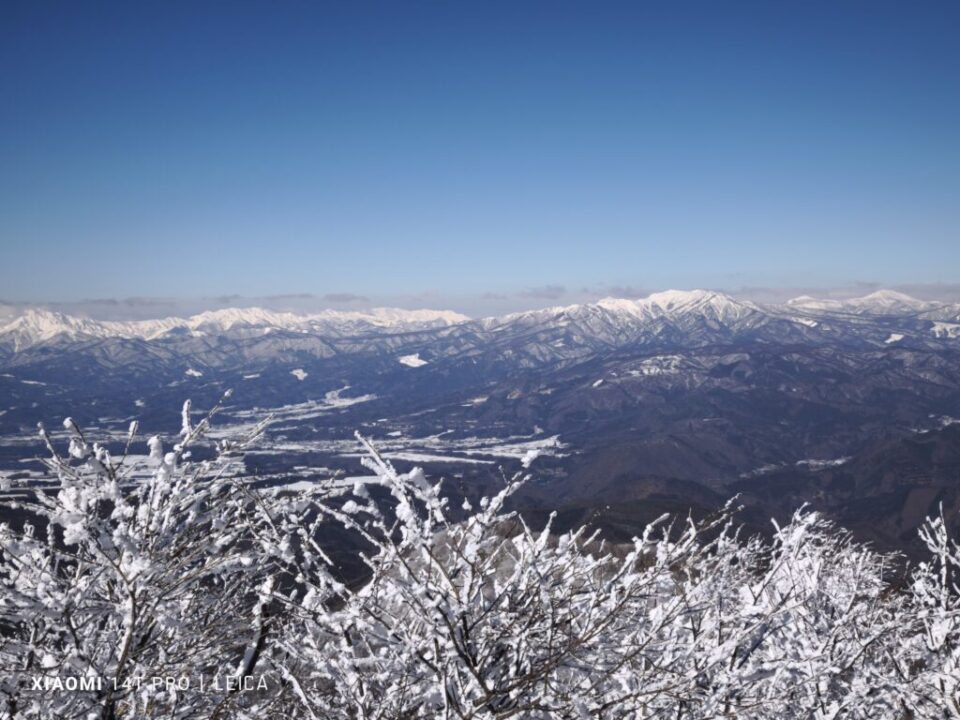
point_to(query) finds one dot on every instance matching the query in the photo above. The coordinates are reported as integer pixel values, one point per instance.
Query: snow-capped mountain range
(723, 308)
(52, 345)
(682, 317)
(697, 317)
(36, 326)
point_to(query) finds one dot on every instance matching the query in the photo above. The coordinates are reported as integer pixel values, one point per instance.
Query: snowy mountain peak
(888, 296)
(254, 316)
(812, 304)
(386, 317)
(891, 300)
(37, 325)
(674, 299)
(680, 301)
(880, 302)
(677, 303)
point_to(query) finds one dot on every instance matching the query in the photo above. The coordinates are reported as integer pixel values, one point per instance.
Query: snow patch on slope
(946, 330)
(413, 361)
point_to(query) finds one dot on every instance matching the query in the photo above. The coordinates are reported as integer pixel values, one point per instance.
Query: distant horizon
(146, 308)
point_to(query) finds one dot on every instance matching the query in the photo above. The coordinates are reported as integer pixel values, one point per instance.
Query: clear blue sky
(457, 149)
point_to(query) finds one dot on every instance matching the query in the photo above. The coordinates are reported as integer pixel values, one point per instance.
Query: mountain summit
(881, 302)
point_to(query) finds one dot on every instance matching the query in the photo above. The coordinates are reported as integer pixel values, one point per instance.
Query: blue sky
(458, 153)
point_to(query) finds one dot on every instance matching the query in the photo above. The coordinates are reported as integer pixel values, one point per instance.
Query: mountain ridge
(673, 318)
(35, 326)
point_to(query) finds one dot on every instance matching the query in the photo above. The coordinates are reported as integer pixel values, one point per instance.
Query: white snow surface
(674, 303)
(881, 302)
(946, 330)
(413, 361)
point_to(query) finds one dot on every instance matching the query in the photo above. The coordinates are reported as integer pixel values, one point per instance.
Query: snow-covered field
(305, 442)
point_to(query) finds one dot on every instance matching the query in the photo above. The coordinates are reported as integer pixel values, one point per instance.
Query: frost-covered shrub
(192, 572)
(125, 579)
(485, 618)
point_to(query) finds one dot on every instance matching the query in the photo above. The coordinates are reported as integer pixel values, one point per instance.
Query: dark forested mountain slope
(677, 400)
